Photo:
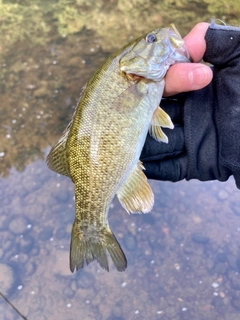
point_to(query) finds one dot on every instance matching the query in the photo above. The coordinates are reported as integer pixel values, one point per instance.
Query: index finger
(195, 41)
(183, 77)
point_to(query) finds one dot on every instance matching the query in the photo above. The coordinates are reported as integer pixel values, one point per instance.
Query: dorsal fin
(57, 159)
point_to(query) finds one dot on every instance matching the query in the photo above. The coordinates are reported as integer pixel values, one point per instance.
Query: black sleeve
(212, 115)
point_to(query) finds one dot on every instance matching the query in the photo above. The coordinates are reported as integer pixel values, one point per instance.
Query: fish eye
(151, 38)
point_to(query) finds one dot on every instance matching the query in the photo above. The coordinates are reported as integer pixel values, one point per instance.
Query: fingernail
(200, 76)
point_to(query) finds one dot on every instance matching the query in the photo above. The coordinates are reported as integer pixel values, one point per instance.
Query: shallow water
(183, 257)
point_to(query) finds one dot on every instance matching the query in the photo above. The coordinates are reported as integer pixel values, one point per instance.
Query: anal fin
(136, 194)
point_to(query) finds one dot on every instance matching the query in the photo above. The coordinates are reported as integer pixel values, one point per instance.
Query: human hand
(205, 143)
(190, 76)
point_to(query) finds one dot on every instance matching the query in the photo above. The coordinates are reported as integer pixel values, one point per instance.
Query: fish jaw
(152, 60)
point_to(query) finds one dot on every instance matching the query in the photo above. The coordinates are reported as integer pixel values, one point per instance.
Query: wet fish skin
(100, 148)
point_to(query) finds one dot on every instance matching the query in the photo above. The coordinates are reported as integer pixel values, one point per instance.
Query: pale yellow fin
(160, 119)
(157, 133)
(57, 158)
(136, 194)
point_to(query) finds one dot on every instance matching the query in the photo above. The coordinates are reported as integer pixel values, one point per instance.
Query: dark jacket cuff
(212, 115)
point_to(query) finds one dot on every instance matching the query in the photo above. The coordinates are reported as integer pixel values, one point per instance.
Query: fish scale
(101, 146)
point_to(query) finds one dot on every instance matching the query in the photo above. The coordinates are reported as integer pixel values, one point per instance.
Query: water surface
(183, 258)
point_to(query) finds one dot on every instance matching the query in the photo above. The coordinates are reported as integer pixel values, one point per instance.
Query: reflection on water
(184, 257)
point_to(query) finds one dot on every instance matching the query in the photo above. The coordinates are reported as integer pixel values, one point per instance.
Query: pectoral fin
(160, 119)
(136, 194)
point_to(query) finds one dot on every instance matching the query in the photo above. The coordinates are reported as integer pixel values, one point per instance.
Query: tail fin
(91, 243)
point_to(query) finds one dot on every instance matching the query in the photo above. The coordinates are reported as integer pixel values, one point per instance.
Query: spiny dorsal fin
(57, 159)
(160, 119)
(136, 194)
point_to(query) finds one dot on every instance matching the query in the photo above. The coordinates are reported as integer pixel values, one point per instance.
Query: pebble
(61, 233)
(85, 280)
(236, 303)
(46, 233)
(35, 250)
(117, 312)
(219, 268)
(235, 205)
(22, 258)
(8, 280)
(63, 195)
(222, 195)
(217, 302)
(215, 285)
(68, 292)
(17, 66)
(4, 221)
(148, 219)
(130, 242)
(19, 225)
(61, 266)
(200, 238)
(10, 248)
(221, 257)
(26, 243)
(177, 235)
(234, 280)
(74, 62)
(42, 92)
(30, 268)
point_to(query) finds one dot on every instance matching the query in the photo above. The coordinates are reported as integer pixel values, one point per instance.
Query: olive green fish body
(101, 146)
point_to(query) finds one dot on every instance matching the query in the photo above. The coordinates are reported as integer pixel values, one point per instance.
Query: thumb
(184, 77)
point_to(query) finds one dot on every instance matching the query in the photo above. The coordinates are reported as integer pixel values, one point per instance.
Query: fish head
(151, 55)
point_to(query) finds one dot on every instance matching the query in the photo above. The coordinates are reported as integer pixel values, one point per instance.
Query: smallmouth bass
(101, 146)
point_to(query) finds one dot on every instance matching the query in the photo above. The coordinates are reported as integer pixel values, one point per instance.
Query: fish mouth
(132, 76)
(151, 61)
(184, 58)
(181, 51)
(174, 29)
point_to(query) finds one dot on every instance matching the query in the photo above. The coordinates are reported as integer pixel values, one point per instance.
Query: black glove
(205, 143)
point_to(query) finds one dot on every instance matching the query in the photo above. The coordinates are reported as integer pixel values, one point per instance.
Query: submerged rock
(200, 238)
(19, 225)
(85, 280)
(236, 303)
(8, 279)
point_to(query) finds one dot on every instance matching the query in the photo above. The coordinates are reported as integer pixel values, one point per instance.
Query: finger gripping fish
(100, 148)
